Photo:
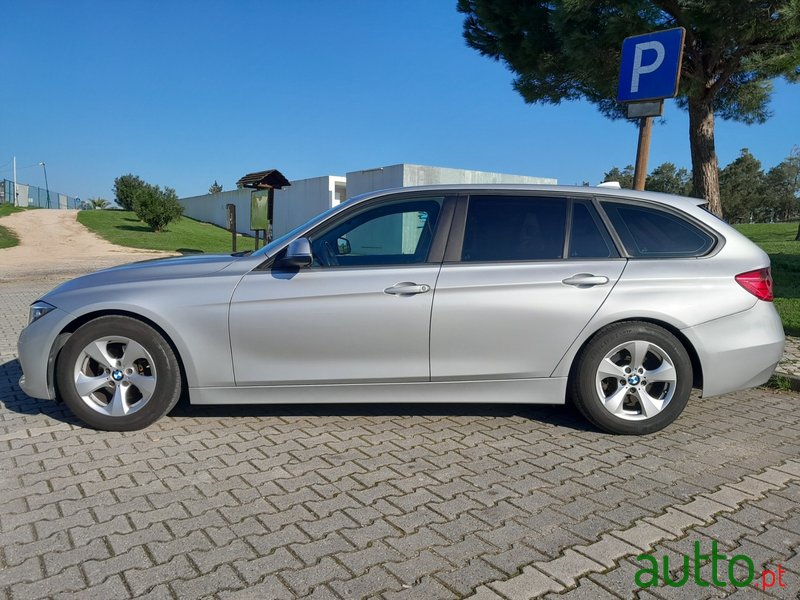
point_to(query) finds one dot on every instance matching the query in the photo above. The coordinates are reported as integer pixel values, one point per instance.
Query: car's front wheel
(632, 378)
(119, 374)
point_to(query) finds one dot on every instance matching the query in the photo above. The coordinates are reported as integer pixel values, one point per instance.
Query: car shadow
(557, 415)
(16, 401)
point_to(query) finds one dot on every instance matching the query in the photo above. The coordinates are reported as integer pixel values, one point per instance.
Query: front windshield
(278, 242)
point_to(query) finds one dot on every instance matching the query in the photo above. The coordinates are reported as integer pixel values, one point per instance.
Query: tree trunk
(797, 237)
(705, 169)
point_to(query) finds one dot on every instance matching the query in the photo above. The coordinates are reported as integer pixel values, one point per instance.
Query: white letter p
(639, 68)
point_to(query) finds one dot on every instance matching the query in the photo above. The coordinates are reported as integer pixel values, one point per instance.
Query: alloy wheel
(636, 380)
(115, 376)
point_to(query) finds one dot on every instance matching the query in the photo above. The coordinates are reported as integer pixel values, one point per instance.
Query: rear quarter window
(588, 237)
(652, 233)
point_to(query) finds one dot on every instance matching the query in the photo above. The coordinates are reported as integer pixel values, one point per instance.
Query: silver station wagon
(619, 301)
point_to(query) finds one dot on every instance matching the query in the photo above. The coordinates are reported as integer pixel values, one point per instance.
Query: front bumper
(35, 350)
(739, 351)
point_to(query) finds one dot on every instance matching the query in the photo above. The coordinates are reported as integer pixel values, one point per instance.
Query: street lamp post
(46, 185)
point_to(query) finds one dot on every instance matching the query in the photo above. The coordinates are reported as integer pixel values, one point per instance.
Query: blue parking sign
(651, 65)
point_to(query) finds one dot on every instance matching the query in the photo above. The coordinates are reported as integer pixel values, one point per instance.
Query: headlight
(38, 310)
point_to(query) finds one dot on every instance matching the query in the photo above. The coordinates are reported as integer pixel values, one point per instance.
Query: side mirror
(344, 246)
(298, 254)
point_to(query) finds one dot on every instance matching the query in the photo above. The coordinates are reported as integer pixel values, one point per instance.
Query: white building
(405, 175)
(306, 198)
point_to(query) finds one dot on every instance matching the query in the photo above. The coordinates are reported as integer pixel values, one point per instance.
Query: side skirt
(504, 391)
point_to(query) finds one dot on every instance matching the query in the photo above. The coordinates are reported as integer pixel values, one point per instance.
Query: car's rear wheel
(119, 374)
(632, 378)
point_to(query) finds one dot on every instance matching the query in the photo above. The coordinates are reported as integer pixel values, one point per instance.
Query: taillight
(758, 283)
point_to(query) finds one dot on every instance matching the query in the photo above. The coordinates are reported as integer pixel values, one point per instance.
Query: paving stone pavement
(400, 501)
(790, 363)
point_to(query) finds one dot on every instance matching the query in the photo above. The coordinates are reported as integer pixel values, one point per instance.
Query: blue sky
(185, 92)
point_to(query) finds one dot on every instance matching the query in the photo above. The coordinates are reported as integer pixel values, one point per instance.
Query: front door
(360, 313)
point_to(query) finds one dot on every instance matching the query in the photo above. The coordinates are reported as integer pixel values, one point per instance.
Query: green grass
(777, 240)
(781, 382)
(8, 238)
(186, 235)
(7, 209)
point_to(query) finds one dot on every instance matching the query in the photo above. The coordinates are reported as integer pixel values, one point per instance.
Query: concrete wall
(294, 205)
(210, 208)
(304, 199)
(423, 175)
(404, 175)
(370, 180)
(22, 195)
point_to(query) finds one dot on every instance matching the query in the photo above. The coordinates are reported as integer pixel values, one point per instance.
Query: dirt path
(54, 246)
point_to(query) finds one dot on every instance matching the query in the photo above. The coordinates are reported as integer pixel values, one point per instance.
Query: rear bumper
(739, 351)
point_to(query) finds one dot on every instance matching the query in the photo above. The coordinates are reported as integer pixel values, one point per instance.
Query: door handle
(407, 288)
(585, 279)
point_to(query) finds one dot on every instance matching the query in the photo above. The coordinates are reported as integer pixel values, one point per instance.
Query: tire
(632, 378)
(118, 374)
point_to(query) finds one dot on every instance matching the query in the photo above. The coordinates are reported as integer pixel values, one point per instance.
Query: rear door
(522, 276)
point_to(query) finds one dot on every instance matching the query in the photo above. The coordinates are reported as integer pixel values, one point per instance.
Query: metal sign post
(644, 111)
(650, 70)
(232, 224)
(642, 152)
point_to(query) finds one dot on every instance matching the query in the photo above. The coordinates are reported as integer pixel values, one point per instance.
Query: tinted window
(392, 233)
(588, 237)
(514, 228)
(648, 232)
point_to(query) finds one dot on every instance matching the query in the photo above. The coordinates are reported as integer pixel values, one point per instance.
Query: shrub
(157, 207)
(125, 189)
(98, 203)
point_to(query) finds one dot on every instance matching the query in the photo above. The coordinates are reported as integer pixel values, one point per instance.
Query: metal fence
(31, 195)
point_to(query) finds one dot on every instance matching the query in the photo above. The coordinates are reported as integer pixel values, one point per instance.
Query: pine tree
(570, 49)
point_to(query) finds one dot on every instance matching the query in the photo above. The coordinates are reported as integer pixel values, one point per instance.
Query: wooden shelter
(271, 179)
(261, 181)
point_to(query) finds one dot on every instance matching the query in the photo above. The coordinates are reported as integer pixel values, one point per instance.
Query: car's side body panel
(511, 320)
(551, 390)
(192, 312)
(331, 325)
(688, 293)
(753, 344)
(35, 356)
